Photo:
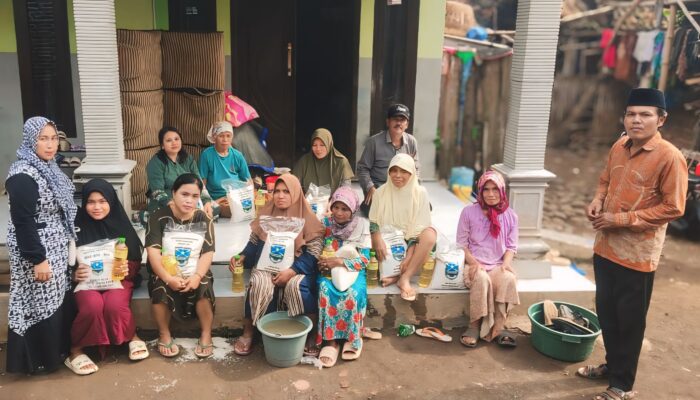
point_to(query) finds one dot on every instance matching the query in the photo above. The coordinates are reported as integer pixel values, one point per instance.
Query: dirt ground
(418, 368)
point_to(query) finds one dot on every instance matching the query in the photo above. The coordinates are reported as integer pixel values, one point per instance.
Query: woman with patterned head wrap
(488, 233)
(42, 215)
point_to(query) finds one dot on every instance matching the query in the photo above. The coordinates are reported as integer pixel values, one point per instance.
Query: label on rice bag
(186, 247)
(396, 251)
(278, 252)
(449, 270)
(99, 256)
(241, 201)
(319, 206)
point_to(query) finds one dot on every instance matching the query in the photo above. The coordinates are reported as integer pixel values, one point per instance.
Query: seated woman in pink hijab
(488, 232)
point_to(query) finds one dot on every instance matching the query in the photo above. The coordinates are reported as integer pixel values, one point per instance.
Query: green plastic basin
(558, 345)
(283, 350)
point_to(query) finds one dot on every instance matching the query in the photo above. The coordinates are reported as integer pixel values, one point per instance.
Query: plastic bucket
(558, 345)
(284, 350)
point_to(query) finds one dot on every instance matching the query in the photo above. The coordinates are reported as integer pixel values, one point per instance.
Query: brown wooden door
(263, 72)
(327, 49)
(295, 61)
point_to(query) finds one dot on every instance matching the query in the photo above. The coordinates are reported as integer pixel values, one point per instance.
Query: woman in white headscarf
(221, 161)
(403, 204)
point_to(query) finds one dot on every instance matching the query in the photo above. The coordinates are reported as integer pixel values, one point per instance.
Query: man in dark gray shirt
(381, 148)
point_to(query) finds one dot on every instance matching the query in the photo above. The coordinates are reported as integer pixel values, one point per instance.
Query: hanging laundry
(609, 55)
(625, 63)
(644, 49)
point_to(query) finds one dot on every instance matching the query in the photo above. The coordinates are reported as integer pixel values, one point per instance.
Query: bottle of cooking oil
(372, 270)
(426, 274)
(120, 254)
(170, 264)
(237, 284)
(260, 200)
(328, 252)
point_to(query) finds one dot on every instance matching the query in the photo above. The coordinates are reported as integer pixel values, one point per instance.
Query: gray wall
(10, 112)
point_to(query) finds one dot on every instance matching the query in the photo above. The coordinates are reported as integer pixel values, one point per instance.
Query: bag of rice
(318, 197)
(99, 256)
(241, 196)
(278, 251)
(449, 270)
(185, 243)
(395, 251)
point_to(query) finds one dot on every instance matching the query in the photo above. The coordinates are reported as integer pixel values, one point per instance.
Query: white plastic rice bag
(185, 243)
(318, 198)
(341, 277)
(278, 251)
(449, 270)
(395, 251)
(99, 256)
(241, 198)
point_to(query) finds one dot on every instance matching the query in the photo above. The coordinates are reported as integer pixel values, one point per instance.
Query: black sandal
(472, 333)
(506, 339)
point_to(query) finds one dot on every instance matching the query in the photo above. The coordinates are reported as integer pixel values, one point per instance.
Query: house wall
(11, 95)
(130, 14)
(431, 25)
(428, 64)
(153, 14)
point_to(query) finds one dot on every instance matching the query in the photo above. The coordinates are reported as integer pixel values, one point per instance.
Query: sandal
(162, 346)
(330, 353)
(350, 353)
(472, 333)
(76, 365)
(247, 344)
(408, 296)
(312, 351)
(506, 339)
(612, 393)
(434, 333)
(370, 334)
(137, 350)
(205, 350)
(593, 371)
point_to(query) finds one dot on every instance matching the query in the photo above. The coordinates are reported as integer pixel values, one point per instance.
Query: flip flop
(246, 342)
(614, 394)
(408, 296)
(370, 334)
(203, 350)
(434, 333)
(470, 333)
(506, 339)
(136, 346)
(593, 371)
(331, 353)
(168, 346)
(78, 363)
(350, 353)
(313, 351)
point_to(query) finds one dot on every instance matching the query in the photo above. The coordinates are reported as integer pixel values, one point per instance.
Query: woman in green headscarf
(323, 165)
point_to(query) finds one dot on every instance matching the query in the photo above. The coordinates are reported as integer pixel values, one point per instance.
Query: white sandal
(136, 346)
(79, 362)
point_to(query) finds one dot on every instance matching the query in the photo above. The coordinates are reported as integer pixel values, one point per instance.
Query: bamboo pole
(666, 54)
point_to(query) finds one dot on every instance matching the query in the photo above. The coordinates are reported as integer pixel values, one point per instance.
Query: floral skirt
(341, 314)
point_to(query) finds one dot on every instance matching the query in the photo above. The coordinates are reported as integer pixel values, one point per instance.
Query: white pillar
(98, 70)
(532, 78)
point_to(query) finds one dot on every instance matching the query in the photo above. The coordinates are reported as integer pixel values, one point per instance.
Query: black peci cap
(647, 97)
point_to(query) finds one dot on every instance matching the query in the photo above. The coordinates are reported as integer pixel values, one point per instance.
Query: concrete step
(386, 309)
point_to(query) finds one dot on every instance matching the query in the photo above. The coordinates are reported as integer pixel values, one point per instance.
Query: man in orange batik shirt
(642, 188)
